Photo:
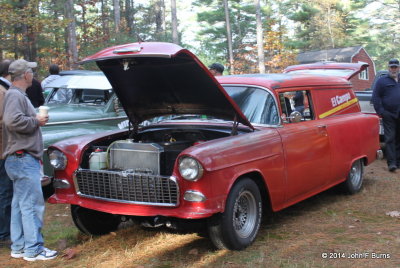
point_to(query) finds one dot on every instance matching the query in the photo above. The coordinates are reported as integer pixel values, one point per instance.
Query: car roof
(94, 81)
(282, 81)
(80, 72)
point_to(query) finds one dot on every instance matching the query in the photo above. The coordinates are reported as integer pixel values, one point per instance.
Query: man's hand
(42, 119)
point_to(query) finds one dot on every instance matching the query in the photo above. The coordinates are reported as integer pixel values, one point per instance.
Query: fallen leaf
(69, 253)
(395, 214)
(194, 252)
(113, 233)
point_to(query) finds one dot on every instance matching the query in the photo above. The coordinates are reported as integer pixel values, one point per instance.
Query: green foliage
(36, 29)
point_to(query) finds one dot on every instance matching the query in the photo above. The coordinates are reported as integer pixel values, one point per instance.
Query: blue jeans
(6, 193)
(27, 206)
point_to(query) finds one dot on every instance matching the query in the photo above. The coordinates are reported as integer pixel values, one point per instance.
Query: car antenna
(140, 40)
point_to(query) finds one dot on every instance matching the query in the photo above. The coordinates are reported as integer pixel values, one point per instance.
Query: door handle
(322, 130)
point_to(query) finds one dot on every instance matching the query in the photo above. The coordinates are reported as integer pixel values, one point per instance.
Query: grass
(292, 238)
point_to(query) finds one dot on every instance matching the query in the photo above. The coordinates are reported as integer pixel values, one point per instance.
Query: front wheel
(94, 222)
(355, 178)
(238, 226)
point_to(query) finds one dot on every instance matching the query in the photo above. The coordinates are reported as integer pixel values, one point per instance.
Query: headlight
(190, 169)
(58, 160)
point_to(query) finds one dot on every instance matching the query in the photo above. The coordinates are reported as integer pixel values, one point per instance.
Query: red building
(356, 54)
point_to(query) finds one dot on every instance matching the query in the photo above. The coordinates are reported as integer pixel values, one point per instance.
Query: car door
(307, 153)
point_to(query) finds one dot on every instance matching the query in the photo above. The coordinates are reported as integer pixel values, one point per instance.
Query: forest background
(246, 36)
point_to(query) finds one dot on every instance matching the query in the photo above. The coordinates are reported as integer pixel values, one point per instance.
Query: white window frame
(363, 75)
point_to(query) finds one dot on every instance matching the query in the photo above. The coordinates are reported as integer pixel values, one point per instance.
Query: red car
(210, 152)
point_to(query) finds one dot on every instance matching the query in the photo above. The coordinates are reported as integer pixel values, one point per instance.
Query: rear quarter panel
(352, 134)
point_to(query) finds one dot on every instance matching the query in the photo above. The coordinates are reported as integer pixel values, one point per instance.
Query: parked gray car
(80, 104)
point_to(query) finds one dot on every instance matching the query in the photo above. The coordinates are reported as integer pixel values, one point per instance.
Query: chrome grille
(127, 187)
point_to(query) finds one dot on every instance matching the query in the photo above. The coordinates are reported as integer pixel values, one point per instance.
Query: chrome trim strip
(129, 202)
(85, 121)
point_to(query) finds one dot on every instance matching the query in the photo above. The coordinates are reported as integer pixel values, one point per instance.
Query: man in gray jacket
(23, 149)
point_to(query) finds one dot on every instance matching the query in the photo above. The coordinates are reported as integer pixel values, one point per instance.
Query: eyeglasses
(394, 67)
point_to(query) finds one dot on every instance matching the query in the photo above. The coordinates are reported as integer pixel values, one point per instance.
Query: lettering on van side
(337, 100)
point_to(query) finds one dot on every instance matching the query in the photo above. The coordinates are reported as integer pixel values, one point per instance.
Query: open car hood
(341, 69)
(155, 79)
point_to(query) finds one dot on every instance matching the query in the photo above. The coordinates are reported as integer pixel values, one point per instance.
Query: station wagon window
(75, 96)
(300, 101)
(257, 105)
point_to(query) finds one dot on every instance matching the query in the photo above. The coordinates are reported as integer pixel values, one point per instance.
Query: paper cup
(44, 110)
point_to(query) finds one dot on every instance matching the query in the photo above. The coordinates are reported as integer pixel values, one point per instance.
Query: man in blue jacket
(386, 100)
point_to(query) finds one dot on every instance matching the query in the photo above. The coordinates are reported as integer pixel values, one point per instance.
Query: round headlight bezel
(190, 169)
(57, 159)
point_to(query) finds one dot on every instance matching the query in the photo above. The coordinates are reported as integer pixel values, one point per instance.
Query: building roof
(344, 54)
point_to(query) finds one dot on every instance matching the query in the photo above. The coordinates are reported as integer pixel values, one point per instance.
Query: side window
(257, 104)
(300, 101)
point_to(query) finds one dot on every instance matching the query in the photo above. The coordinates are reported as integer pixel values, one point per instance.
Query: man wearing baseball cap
(386, 100)
(23, 149)
(216, 69)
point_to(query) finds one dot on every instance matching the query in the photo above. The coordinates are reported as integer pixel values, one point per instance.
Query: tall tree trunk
(164, 22)
(329, 24)
(158, 19)
(84, 26)
(260, 38)
(174, 21)
(104, 19)
(229, 37)
(56, 36)
(117, 15)
(71, 35)
(129, 16)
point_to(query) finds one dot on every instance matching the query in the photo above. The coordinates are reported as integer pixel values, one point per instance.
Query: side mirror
(295, 117)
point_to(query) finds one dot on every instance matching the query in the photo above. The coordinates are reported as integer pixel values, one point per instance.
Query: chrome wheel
(355, 178)
(245, 214)
(355, 175)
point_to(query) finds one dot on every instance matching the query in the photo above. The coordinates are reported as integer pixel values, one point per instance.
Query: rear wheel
(238, 226)
(355, 178)
(94, 222)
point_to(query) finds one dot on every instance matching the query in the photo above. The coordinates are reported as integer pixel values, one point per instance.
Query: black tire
(354, 181)
(94, 222)
(238, 226)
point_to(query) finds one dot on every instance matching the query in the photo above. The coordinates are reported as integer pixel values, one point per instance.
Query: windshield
(256, 104)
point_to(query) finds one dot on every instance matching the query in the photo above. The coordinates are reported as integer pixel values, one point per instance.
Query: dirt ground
(328, 230)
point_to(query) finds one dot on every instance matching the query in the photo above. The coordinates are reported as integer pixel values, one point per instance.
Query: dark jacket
(298, 99)
(4, 84)
(35, 93)
(386, 97)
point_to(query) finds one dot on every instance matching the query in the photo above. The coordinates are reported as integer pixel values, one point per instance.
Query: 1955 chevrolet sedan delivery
(211, 152)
